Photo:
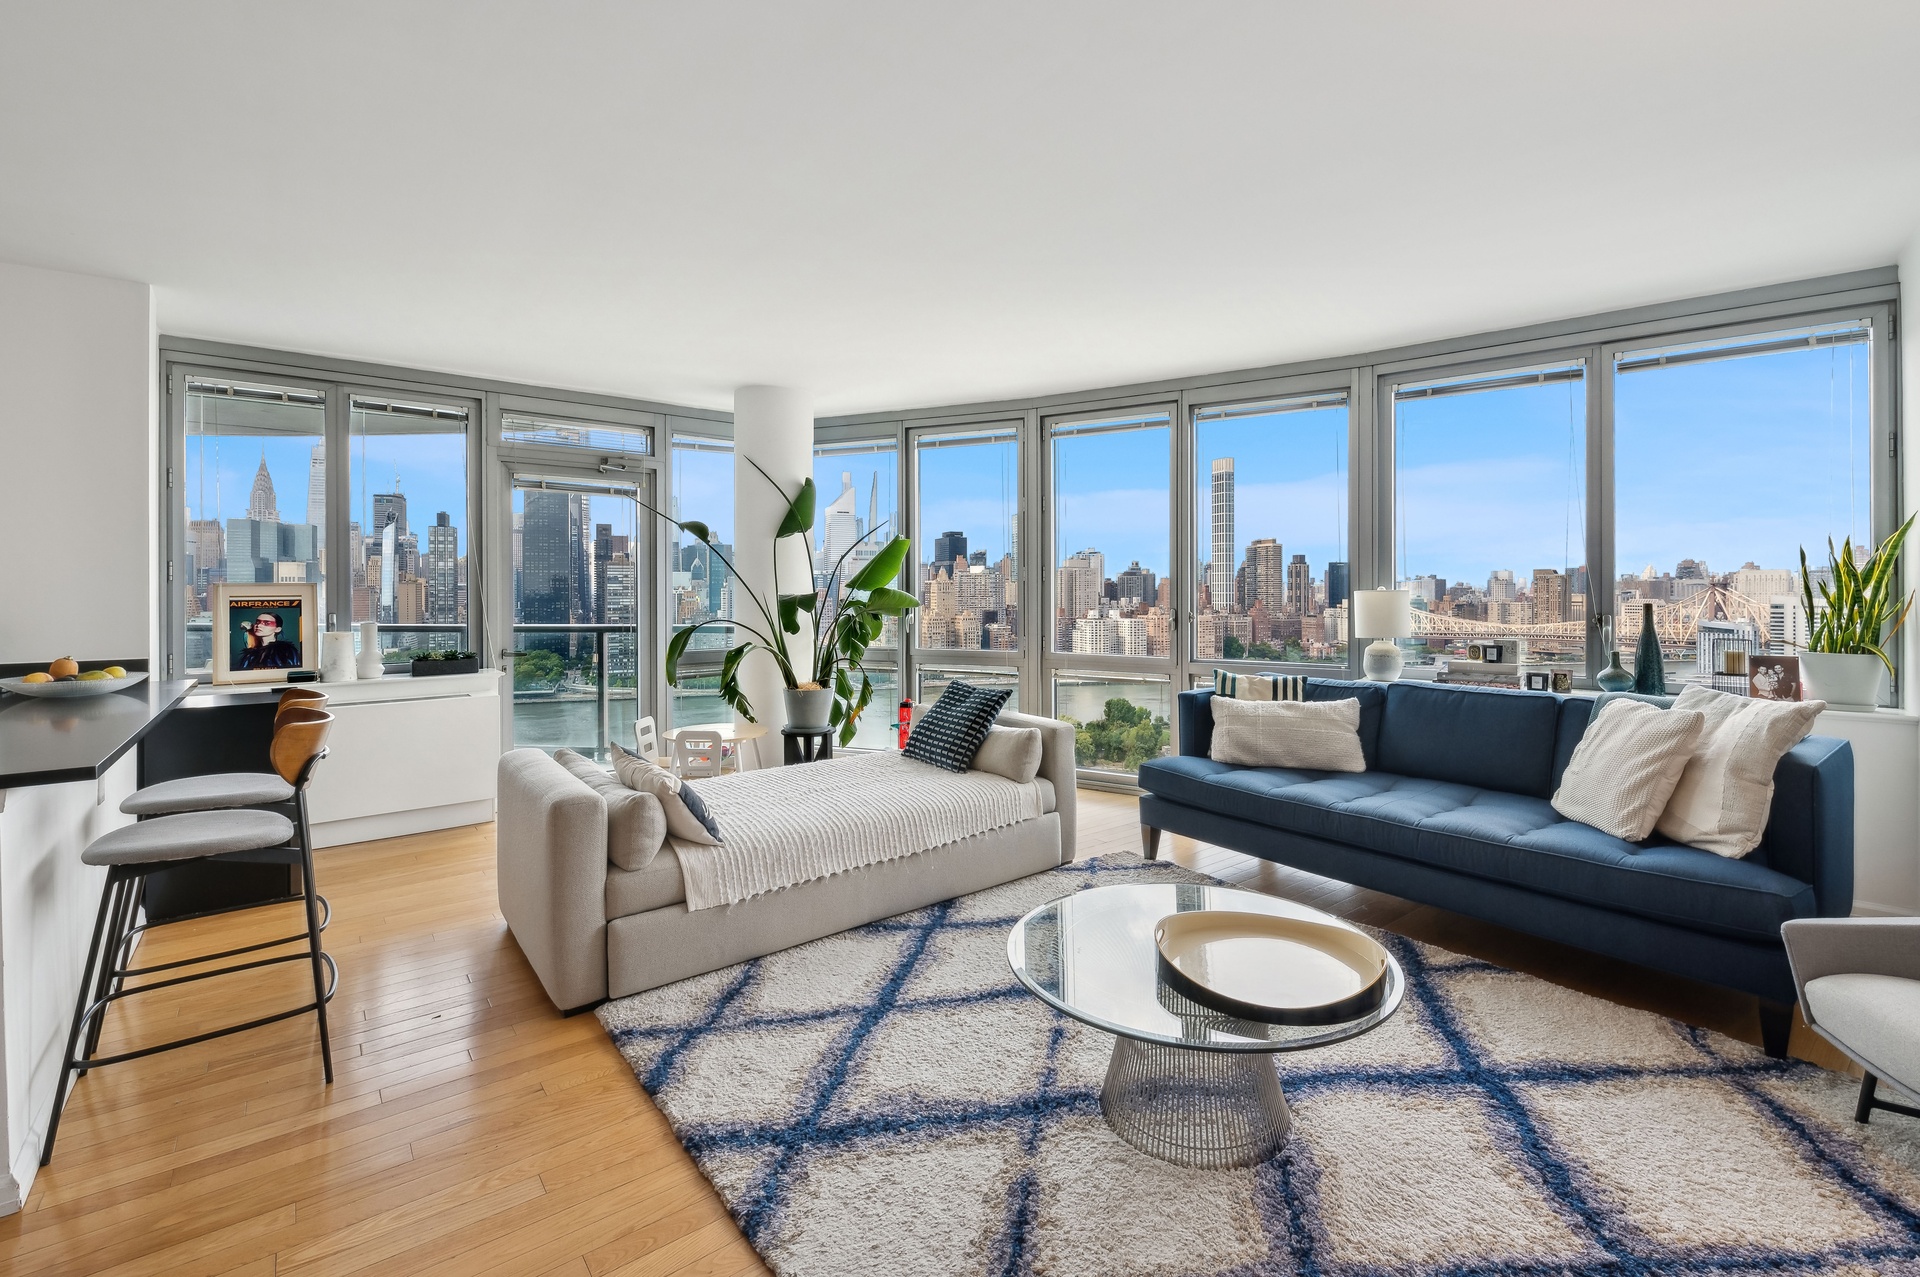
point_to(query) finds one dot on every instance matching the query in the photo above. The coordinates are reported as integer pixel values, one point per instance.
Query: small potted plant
(426, 664)
(1858, 610)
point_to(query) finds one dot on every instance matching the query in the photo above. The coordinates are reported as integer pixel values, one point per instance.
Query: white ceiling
(900, 204)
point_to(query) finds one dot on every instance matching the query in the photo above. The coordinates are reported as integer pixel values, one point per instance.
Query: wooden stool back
(299, 738)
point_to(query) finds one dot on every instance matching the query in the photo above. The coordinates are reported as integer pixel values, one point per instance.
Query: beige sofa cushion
(1726, 792)
(656, 886)
(1013, 752)
(636, 824)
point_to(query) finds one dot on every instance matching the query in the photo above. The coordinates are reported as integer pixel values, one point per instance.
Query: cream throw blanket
(788, 825)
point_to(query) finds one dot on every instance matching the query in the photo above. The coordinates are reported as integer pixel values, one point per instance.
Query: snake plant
(842, 628)
(1859, 609)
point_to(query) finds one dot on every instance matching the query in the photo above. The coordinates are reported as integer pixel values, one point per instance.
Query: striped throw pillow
(1259, 687)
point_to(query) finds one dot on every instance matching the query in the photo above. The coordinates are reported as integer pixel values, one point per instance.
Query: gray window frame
(1369, 376)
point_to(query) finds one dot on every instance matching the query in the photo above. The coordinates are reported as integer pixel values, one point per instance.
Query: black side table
(805, 745)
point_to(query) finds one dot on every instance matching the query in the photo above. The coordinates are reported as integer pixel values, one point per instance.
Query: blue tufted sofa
(1453, 811)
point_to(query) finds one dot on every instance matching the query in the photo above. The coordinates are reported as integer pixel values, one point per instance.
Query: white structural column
(773, 427)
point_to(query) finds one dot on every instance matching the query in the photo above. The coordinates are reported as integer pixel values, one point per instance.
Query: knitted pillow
(1625, 767)
(1316, 735)
(951, 733)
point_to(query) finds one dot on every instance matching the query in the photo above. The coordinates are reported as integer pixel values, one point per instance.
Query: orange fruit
(64, 667)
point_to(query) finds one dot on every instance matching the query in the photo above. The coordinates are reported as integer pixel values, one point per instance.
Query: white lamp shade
(1383, 613)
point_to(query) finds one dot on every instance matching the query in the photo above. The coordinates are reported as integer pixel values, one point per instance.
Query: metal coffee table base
(1214, 1109)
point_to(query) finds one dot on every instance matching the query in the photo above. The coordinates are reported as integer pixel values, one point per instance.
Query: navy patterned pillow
(951, 733)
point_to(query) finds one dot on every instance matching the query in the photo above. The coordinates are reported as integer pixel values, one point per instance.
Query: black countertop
(50, 742)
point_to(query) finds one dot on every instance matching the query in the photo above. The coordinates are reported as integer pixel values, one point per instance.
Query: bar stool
(225, 789)
(133, 851)
(213, 792)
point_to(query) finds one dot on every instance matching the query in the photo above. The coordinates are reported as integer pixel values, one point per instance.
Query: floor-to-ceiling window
(968, 571)
(1489, 513)
(855, 514)
(701, 585)
(254, 494)
(1110, 623)
(1732, 455)
(1271, 564)
(408, 523)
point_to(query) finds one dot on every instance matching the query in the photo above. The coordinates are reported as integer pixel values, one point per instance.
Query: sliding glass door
(583, 609)
(967, 572)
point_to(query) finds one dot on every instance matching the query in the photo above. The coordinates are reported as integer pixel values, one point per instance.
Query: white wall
(79, 446)
(772, 426)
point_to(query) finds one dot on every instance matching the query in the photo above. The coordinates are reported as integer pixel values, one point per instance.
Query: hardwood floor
(470, 1129)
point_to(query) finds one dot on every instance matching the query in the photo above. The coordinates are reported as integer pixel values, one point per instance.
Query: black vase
(1649, 671)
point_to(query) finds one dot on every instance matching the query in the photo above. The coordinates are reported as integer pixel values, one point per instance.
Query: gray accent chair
(1859, 984)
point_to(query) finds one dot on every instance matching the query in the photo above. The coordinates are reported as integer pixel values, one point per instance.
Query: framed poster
(1774, 678)
(260, 632)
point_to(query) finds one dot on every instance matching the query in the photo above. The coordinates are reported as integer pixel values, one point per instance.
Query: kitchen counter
(50, 742)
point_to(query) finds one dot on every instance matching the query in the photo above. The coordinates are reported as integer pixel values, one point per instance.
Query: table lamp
(1382, 615)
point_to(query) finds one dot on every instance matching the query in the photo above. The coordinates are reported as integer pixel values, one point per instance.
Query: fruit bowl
(70, 689)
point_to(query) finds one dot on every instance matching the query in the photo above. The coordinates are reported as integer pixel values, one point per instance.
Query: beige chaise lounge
(593, 930)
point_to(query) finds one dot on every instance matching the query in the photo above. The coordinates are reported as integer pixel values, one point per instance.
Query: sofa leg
(1150, 842)
(595, 1005)
(1776, 1026)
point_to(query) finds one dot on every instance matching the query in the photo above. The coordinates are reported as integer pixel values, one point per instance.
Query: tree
(1231, 649)
(1263, 652)
(1125, 736)
(536, 668)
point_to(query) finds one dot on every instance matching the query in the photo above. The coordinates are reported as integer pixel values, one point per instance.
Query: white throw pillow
(636, 821)
(1315, 735)
(1626, 766)
(1725, 793)
(1013, 752)
(687, 816)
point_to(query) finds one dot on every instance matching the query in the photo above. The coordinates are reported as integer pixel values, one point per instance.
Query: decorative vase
(1382, 661)
(1649, 668)
(336, 656)
(369, 664)
(1844, 680)
(809, 708)
(1614, 678)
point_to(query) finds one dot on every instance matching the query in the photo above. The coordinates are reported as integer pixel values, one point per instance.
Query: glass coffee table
(1185, 1084)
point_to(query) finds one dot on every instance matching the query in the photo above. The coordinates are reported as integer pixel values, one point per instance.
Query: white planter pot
(336, 656)
(810, 708)
(1844, 680)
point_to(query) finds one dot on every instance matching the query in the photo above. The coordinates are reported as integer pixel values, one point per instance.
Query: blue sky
(431, 468)
(972, 488)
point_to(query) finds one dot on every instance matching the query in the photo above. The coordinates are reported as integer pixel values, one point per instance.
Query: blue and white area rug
(890, 1101)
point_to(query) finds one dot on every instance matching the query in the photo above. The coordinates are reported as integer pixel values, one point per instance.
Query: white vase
(369, 665)
(336, 657)
(1844, 680)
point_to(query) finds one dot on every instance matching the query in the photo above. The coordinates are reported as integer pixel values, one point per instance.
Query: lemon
(94, 676)
(114, 671)
(37, 677)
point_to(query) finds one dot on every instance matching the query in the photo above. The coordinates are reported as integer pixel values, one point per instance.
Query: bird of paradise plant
(842, 628)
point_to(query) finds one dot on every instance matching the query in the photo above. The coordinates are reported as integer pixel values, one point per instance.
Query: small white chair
(646, 735)
(698, 753)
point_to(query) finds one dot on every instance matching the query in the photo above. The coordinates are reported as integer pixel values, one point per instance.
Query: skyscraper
(602, 555)
(1266, 583)
(1549, 597)
(1080, 581)
(841, 531)
(1299, 586)
(1220, 577)
(260, 504)
(552, 554)
(1338, 588)
(317, 484)
(949, 546)
(443, 582)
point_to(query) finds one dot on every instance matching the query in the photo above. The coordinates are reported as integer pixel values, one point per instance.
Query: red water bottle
(904, 723)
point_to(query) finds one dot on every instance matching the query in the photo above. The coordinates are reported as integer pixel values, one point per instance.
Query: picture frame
(1494, 653)
(1562, 682)
(1773, 678)
(1538, 681)
(264, 631)
(1473, 652)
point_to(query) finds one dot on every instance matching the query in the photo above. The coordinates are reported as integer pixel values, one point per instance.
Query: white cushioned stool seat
(200, 833)
(1877, 1016)
(208, 793)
